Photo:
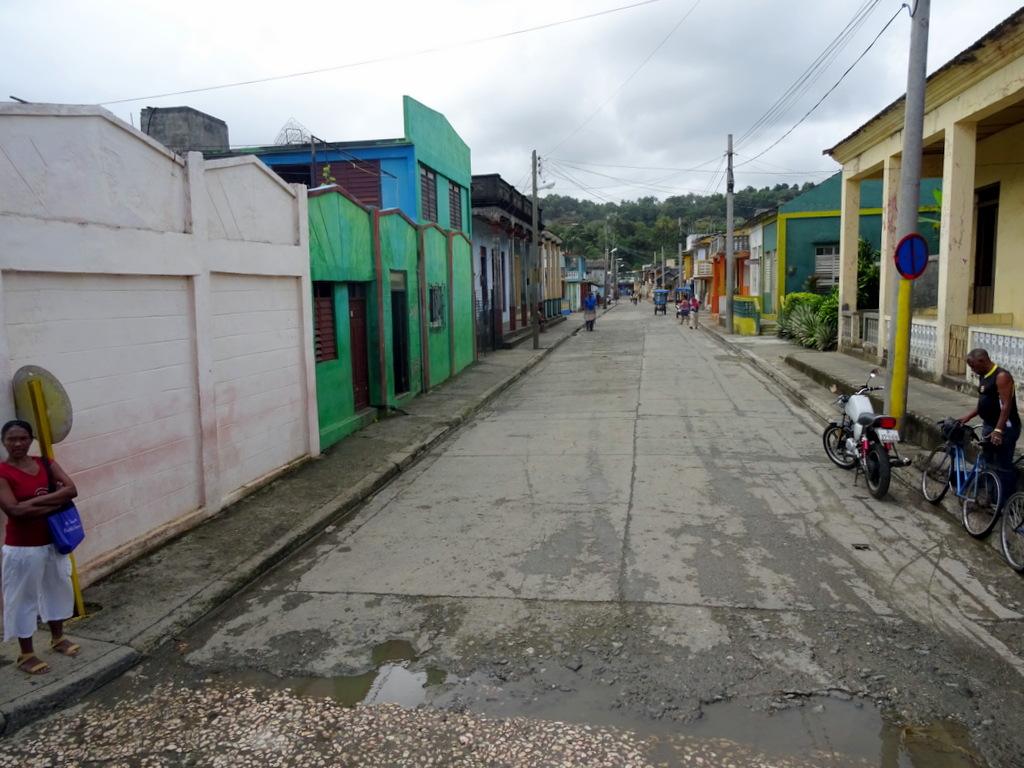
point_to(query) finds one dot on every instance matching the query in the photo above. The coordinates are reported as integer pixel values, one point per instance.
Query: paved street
(643, 534)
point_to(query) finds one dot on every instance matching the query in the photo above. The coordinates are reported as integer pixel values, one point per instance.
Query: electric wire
(828, 92)
(651, 185)
(694, 169)
(382, 59)
(811, 75)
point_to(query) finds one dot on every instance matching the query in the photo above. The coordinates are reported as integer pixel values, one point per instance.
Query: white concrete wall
(171, 299)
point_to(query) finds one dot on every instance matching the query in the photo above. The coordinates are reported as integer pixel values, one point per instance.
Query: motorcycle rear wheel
(834, 440)
(877, 470)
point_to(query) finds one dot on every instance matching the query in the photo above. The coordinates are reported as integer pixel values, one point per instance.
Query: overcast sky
(620, 98)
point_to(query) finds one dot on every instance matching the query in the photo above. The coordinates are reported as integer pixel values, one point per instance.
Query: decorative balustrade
(869, 329)
(1005, 347)
(922, 345)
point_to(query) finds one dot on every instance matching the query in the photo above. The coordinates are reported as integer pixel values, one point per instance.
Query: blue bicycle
(975, 484)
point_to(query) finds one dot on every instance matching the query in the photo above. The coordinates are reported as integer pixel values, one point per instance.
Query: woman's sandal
(65, 646)
(25, 664)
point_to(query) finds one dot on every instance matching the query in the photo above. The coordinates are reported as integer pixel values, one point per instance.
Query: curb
(74, 685)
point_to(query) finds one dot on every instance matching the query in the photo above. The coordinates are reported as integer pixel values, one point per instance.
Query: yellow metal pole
(901, 353)
(35, 390)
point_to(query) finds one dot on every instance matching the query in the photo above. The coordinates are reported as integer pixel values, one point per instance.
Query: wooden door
(360, 348)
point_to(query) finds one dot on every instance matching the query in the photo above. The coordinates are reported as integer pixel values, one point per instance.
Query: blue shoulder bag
(65, 524)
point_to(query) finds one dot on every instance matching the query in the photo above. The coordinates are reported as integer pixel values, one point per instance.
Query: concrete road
(645, 532)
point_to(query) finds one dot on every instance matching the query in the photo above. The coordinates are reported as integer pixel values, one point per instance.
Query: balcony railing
(740, 243)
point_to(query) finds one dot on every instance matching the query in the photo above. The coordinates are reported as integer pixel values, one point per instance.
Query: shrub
(868, 274)
(826, 332)
(791, 300)
(803, 320)
(829, 306)
(789, 309)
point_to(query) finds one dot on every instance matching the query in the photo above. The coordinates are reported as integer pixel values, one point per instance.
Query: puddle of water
(389, 682)
(827, 725)
(849, 732)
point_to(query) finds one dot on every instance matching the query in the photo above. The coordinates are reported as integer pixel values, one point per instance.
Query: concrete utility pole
(679, 256)
(534, 262)
(730, 263)
(908, 207)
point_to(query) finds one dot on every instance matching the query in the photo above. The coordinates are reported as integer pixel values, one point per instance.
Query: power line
(829, 91)
(817, 68)
(411, 54)
(651, 185)
(695, 169)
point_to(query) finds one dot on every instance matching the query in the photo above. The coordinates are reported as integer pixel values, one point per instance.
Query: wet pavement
(464, 628)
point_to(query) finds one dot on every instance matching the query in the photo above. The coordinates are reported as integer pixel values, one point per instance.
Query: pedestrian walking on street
(694, 309)
(683, 310)
(997, 407)
(590, 311)
(36, 578)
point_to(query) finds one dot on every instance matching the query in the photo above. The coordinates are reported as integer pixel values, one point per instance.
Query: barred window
(455, 205)
(437, 306)
(324, 335)
(428, 191)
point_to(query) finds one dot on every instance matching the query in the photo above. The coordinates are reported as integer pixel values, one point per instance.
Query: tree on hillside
(641, 227)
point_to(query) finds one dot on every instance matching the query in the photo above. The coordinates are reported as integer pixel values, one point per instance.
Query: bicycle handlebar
(974, 432)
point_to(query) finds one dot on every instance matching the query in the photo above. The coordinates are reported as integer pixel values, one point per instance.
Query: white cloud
(720, 71)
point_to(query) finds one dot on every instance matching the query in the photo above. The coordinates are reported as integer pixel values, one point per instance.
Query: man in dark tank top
(997, 407)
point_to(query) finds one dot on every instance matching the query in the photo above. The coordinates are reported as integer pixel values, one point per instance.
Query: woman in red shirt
(36, 578)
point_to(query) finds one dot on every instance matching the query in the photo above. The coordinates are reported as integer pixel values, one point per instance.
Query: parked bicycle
(1012, 531)
(975, 484)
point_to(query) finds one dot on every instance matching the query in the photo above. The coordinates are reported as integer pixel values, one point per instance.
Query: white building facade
(171, 299)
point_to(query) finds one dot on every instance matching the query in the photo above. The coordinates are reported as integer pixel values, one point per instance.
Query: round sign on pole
(58, 405)
(911, 256)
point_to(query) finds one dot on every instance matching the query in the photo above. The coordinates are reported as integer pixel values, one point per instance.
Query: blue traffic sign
(911, 256)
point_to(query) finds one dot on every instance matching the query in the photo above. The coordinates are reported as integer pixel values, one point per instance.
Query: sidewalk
(808, 375)
(133, 611)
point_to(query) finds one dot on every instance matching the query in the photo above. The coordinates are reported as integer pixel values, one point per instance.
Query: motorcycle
(864, 439)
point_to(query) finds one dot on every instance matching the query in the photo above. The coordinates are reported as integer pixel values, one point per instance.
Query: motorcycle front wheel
(877, 470)
(834, 440)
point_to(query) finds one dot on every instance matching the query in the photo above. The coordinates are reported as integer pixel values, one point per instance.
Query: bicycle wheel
(981, 504)
(1012, 532)
(938, 470)
(834, 440)
(877, 471)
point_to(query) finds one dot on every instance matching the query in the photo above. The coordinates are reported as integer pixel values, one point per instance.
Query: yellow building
(973, 295)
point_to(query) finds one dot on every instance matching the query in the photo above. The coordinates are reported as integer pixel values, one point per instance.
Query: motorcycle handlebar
(862, 390)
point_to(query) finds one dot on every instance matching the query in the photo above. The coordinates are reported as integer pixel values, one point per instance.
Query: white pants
(37, 584)
(693, 319)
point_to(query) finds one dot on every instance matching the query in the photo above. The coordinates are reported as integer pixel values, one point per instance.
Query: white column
(888, 275)
(849, 234)
(956, 234)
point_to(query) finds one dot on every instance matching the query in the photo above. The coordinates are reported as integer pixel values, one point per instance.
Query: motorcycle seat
(867, 419)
